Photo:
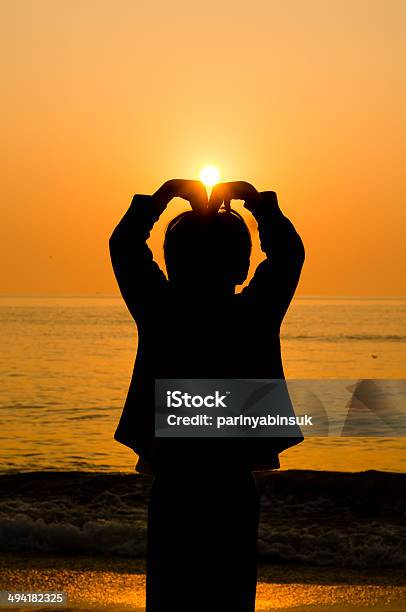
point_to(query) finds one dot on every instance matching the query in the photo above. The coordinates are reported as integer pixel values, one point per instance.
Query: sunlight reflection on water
(66, 364)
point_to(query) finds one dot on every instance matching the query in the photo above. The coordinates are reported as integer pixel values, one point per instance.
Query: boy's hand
(235, 190)
(192, 191)
(270, 201)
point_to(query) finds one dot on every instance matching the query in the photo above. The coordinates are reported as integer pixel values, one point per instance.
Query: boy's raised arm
(139, 277)
(276, 278)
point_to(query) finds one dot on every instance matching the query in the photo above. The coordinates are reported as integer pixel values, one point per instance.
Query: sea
(66, 364)
(67, 487)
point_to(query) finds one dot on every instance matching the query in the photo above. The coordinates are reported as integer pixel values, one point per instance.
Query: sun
(209, 175)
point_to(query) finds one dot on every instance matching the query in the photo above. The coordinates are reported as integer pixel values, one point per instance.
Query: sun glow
(209, 175)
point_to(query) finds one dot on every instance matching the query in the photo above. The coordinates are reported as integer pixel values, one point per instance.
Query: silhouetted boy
(203, 512)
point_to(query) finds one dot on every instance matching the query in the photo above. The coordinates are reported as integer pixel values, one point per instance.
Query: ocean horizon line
(118, 296)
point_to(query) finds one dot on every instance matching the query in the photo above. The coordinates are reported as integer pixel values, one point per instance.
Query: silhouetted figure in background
(204, 506)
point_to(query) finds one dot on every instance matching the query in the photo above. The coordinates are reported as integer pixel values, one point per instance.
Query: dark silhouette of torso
(184, 334)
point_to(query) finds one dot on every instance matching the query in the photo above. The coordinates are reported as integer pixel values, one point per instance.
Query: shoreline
(281, 574)
(112, 584)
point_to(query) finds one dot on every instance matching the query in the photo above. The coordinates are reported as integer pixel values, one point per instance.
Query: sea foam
(311, 518)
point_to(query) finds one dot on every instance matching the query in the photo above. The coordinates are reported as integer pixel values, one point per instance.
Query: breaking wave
(310, 518)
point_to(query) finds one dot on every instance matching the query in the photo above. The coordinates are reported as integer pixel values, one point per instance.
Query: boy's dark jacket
(237, 337)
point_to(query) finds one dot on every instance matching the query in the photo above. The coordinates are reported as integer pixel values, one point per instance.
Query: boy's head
(207, 252)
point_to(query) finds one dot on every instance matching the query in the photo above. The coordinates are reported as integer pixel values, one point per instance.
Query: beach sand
(114, 583)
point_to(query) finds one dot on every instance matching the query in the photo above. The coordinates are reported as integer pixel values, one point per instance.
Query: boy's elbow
(112, 242)
(294, 241)
(114, 238)
(298, 250)
(301, 250)
(114, 245)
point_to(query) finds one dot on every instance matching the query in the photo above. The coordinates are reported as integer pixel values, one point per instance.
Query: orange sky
(107, 98)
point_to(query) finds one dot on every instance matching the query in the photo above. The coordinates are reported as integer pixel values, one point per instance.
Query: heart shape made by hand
(223, 193)
(195, 193)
